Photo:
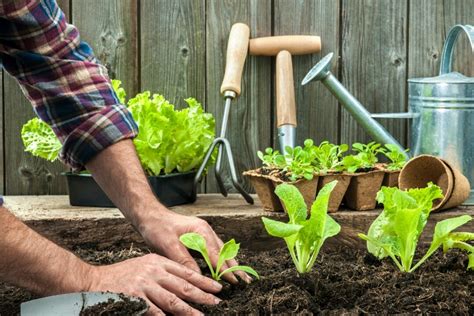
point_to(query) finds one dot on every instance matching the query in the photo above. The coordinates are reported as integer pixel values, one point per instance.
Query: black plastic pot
(172, 189)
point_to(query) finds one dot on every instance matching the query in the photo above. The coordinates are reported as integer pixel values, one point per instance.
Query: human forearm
(31, 261)
(119, 173)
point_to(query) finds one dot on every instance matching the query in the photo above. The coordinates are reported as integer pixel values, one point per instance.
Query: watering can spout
(321, 72)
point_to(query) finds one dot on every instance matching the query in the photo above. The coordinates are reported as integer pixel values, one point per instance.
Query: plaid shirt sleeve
(59, 74)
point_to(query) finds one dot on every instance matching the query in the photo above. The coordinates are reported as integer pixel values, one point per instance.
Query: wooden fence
(177, 48)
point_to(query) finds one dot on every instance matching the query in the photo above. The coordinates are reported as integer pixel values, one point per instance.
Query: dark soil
(125, 307)
(276, 173)
(346, 282)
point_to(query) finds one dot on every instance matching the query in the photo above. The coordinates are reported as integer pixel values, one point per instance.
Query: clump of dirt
(282, 175)
(124, 307)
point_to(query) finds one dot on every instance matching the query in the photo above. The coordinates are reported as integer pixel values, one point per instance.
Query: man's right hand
(164, 284)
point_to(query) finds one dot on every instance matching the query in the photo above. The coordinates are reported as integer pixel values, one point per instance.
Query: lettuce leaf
(40, 140)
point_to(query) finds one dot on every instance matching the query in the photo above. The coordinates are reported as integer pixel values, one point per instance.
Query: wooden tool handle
(237, 48)
(285, 90)
(295, 44)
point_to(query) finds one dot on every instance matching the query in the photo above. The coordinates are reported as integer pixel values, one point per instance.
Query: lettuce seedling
(272, 159)
(395, 232)
(328, 157)
(228, 251)
(366, 157)
(397, 158)
(304, 237)
(299, 163)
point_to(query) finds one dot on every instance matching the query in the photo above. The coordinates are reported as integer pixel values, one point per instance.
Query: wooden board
(173, 49)
(110, 27)
(374, 53)
(230, 217)
(250, 122)
(2, 147)
(318, 112)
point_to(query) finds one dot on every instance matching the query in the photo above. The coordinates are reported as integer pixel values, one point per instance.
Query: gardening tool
(294, 44)
(70, 304)
(442, 109)
(237, 48)
(285, 101)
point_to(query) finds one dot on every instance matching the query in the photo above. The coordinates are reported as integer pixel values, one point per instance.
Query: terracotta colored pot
(390, 178)
(265, 190)
(421, 170)
(343, 180)
(307, 188)
(362, 190)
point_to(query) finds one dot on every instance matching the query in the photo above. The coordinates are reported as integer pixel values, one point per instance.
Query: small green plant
(397, 158)
(40, 140)
(228, 251)
(328, 157)
(299, 163)
(271, 159)
(395, 232)
(304, 236)
(366, 157)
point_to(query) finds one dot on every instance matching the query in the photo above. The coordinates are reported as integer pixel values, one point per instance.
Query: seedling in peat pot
(228, 251)
(397, 158)
(328, 157)
(304, 237)
(272, 159)
(299, 163)
(365, 159)
(395, 232)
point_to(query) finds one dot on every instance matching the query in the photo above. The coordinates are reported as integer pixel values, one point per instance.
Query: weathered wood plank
(65, 5)
(374, 62)
(173, 49)
(25, 174)
(111, 27)
(430, 21)
(230, 218)
(250, 124)
(318, 111)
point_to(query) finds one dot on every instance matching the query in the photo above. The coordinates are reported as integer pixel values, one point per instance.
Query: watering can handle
(448, 48)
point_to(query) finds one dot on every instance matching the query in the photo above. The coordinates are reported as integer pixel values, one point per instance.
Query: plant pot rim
(356, 174)
(383, 166)
(174, 174)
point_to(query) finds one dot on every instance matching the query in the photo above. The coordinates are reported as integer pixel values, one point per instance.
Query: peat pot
(172, 189)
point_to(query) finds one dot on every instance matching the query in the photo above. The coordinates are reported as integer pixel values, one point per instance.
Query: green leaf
(294, 202)
(197, 242)
(121, 94)
(228, 251)
(246, 269)
(280, 229)
(40, 140)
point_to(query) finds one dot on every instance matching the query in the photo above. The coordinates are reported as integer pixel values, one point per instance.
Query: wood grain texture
(110, 27)
(65, 5)
(250, 120)
(173, 49)
(25, 174)
(430, 22)
(374, 34)
(317, 110)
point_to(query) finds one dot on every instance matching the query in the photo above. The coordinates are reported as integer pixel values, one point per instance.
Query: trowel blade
(67, 304)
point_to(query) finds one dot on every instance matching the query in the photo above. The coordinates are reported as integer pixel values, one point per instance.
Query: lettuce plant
(40, 140)
(366, 157)
(271, 159)
(396, 231)
(396, 157)
(299, 163)
(328, 157)
(228, 251)
(304, 236)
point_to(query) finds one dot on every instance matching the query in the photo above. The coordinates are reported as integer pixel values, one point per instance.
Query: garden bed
(345, 279)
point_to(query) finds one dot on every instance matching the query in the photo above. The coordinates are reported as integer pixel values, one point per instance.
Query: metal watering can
(441, 109)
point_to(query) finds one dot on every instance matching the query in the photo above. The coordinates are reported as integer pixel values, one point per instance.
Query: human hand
(162, 230)
(165, 285)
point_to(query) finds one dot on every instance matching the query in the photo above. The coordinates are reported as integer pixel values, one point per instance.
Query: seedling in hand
(304, 237)
(228, 251)
(397, 158)
(395, 232)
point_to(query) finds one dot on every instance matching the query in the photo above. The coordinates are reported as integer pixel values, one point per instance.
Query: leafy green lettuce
(40, 140)
(304, 237)
(396, 231)
(170, 140)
